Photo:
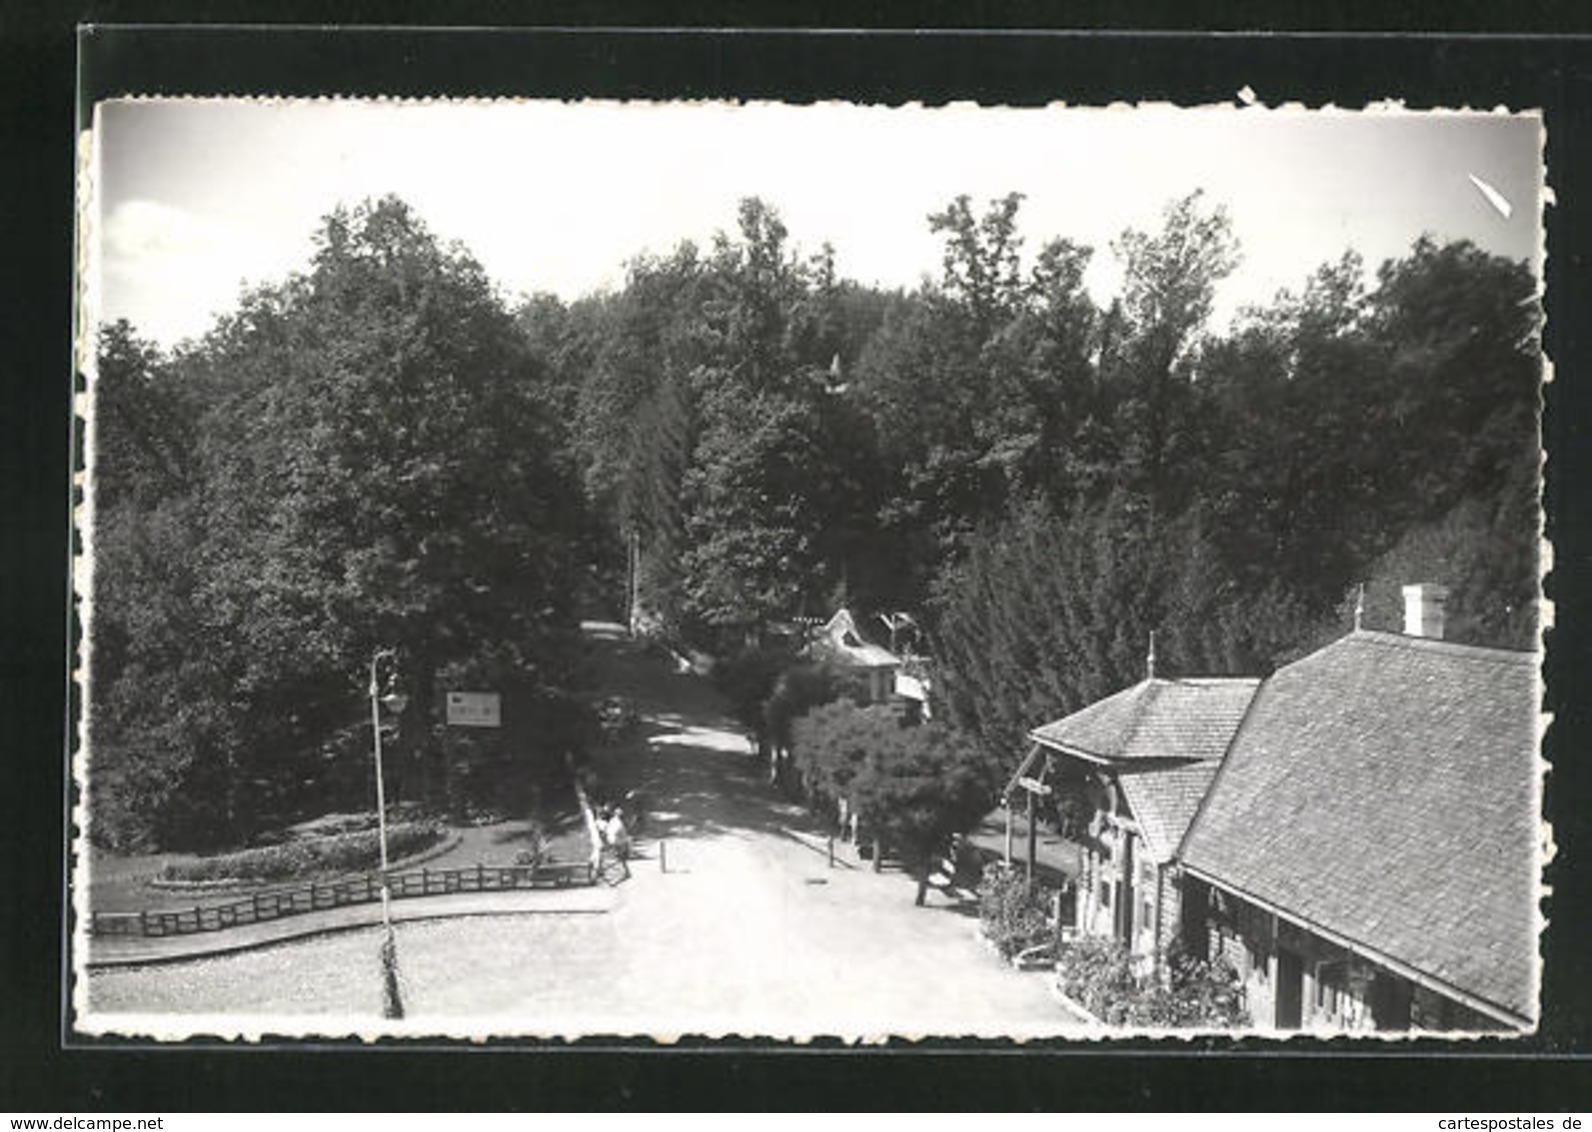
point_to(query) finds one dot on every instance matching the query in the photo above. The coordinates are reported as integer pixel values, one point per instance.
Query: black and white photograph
(666, 570)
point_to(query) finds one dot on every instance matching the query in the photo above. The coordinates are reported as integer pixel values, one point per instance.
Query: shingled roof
(1164, 799)
(1154, 719)
(1165, 739)
(1385, 790)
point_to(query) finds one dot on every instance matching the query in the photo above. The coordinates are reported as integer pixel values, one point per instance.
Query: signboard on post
(475, 709)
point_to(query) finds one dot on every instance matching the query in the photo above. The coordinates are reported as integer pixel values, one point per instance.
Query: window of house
(1105, 894)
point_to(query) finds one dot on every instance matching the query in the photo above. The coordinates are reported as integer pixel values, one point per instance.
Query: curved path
(733, 921)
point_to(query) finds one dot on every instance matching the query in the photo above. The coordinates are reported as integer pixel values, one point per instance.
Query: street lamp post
(395, 702)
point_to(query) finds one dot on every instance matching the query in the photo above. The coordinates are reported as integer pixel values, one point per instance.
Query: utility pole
(1033, 837)
(633, 587)
(392, 1001)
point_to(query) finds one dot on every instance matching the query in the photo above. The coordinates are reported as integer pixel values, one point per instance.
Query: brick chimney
(1424, 605)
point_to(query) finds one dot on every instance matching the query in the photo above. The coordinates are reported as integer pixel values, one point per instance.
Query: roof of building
(1155, 719)
(1385, 789)
(1165, 738)
(840, 642)
(1163, 800)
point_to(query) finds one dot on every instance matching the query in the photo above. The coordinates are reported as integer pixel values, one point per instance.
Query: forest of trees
(382, 451)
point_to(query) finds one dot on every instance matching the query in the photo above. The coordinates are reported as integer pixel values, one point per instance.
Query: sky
(195, 200)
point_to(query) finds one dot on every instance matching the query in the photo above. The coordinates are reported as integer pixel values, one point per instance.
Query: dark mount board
(39, 1069)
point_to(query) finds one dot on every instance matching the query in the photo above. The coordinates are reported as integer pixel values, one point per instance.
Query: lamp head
(395, 702)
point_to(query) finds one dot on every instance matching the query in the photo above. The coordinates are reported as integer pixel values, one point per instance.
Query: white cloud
(171, 272)
(146, 231)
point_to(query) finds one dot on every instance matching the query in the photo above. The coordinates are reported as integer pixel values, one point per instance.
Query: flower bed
(1099, 975)
(346, 852)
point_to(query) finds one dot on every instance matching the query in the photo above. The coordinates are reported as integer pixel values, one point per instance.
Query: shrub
(919, 789)
(832, 743)
(1015, 914)
(1098, 974)
(347, 852)
(1197, 993)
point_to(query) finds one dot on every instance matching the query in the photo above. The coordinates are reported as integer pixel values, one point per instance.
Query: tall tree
(1458, 330)
(1048, 613)
(982, 260)
(770, 467)
(972, 383)
(143, 423)
(637, 416)
(1169, 287)
(1354, 418)
(751, 528)
(378, 468)
(1294, 390)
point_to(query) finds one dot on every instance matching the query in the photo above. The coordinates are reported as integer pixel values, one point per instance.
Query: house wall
(1171, 908)
(1116, 860)
(1238, 934)
(1431, 1011)
(1333, 994)
(1117, 866)
(868, 685)
(1339, 990)
(1336, 986)
(1099, 885)
(1094, 907)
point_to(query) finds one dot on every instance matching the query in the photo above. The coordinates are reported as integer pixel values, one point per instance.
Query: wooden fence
(320, 895)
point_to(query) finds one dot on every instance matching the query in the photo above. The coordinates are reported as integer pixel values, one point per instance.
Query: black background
(1523, 57)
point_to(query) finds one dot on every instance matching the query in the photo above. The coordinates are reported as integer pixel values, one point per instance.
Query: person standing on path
(616, 839)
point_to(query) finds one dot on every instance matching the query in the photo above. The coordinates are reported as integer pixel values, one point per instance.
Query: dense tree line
(362, 456)
(1045, 479)
(378, 451)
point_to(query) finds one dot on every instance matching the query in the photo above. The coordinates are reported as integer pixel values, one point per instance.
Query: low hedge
(342, 853)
